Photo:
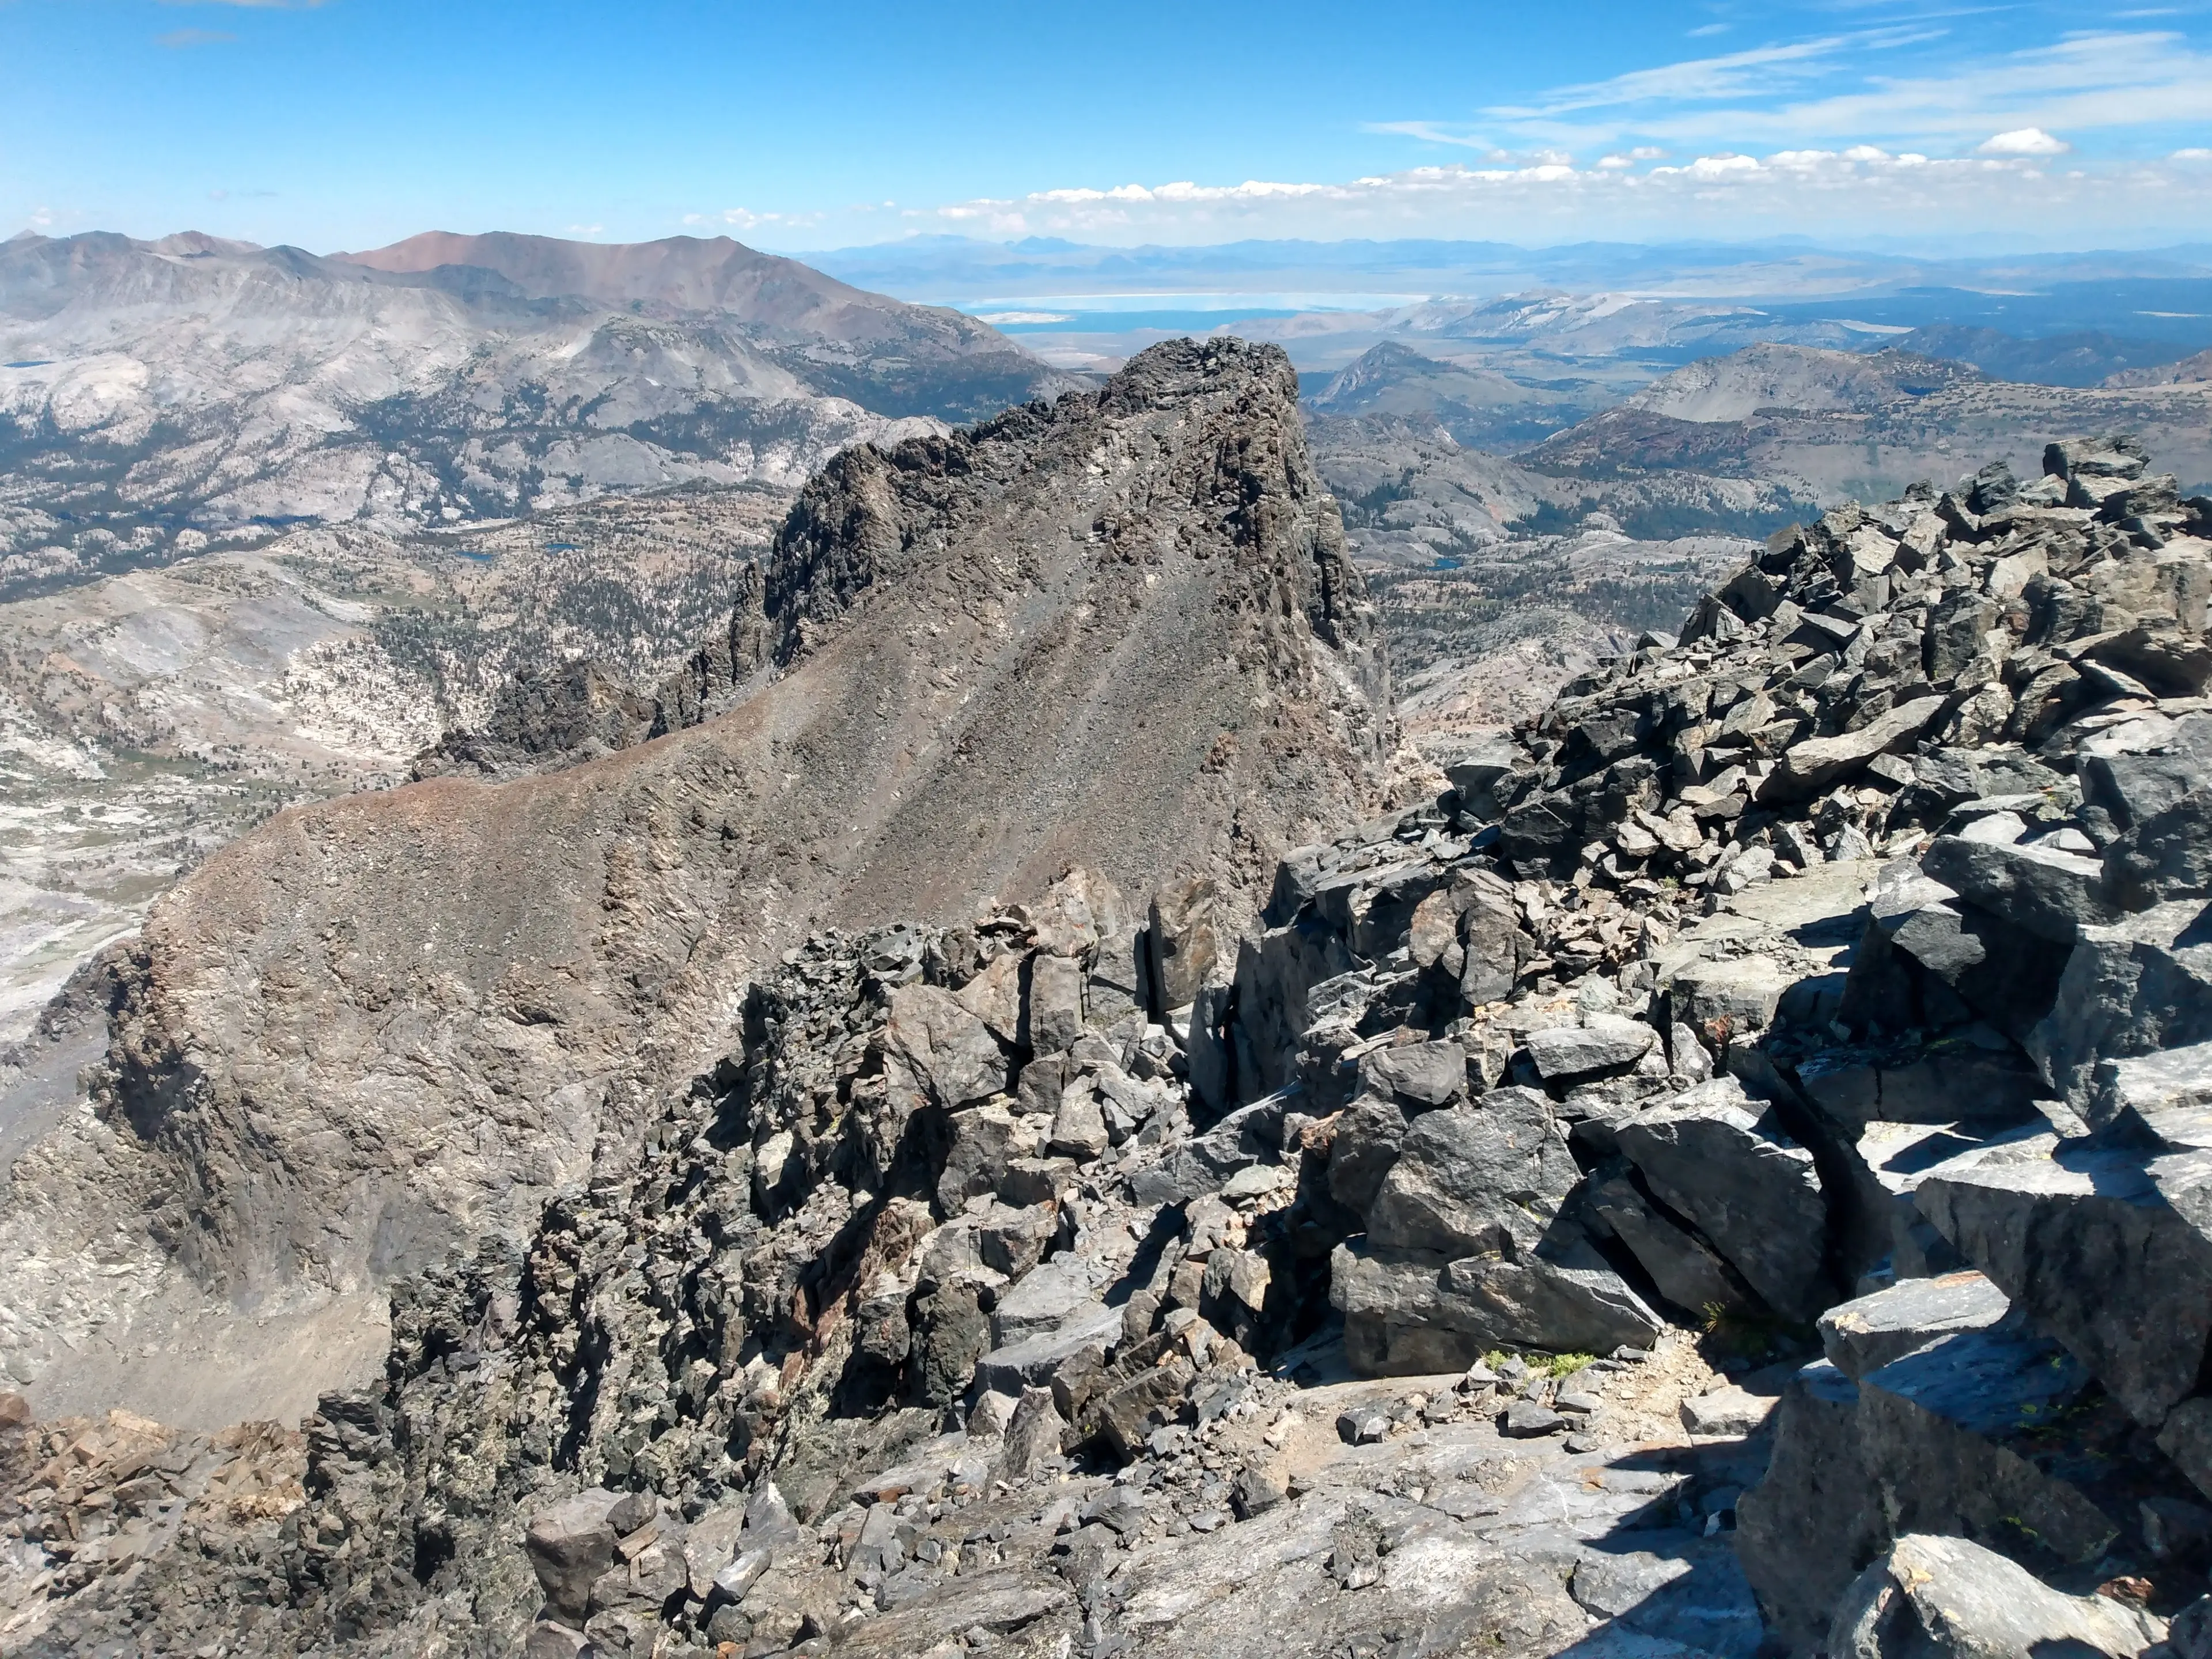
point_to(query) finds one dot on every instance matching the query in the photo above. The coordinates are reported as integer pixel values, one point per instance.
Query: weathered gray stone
(570, 1545)
(1033, 1360)
(2144, 1088)
(1062, 1289)
(2166, 855)
(951, 1333)
(1011, 1239)
(1495, 947)
(952, 1052)
(2133, 785)
(1603, 1043)
(1687, 1271)
(1814, 1519)
(1363, 1149)
(1035, 1435)
(1948, 1598)
(1483, 1175)
(1865, 1334)
(2186, 1439)
(1186, 939)
(1524, 1420)
(1809, 766)
(1735, 994)
(984, 1138)
(1079, 1129)
(2143, 984)
(1409, 1313)
(2081, 1239)
(1748, 1189)
(1419, 1073)
(1948, 1433)
(1953, 1078)
(1728, 1411)
(1686, 1592)
(2051, 894)
(1053, 1013)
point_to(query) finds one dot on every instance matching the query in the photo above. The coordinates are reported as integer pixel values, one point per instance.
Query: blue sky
(352, 123)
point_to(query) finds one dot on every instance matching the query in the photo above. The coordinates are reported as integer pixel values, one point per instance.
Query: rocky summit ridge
(1119, 627)
(1720, 1178)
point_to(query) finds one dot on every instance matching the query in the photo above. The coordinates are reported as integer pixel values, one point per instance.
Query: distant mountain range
(961, 268)
(153, 395)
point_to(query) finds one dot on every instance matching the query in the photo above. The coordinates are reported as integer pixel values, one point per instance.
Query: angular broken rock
(1755, 1194)
(952, 1052)
(1809, 766)
(1951, 1433)
(1185, 940)
(1053, 1015)
(1410, 1313)
(1688, 1272)
(1946, 1598)
(1605, 1042)
(2051, 894)
(1524, 1420)
(1816, 1513)
(2081, 1239)
(1419, 1074)
(1865, 1334)
(2143, 984)
(1035, 1435)
(1476, 1176)
(1079, 1129)
(570, 1545)
(1725, 1411)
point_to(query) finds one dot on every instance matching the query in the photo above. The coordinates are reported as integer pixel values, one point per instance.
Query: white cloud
(1827, 91)
(2023, 141)
(1830, 192)
(1731, 76)
(2190, 155)
(1430, 132)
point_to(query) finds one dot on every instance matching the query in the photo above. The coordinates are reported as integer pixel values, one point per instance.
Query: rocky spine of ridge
(1826, 980)
(1123, 625)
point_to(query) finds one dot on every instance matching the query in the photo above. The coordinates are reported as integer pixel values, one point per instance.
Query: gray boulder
(1604, 1043)
(1814, 1519)
(1950, 1434)
(1186, 936)
(2140, 985)
(984, 1139)
(1419, 1074)
(1494, 946)
(1687, 1271)
(1865, 1334)
(2081, 1240)
(1946, 1598)
(1364, 1147)
(570, 1545)
(2168, 855)
(2051, 893)
(1484, 1175)
(950, 1052)
(1750, 1190)
(1052, 1011)
(1409, 1313)
(1809, 766)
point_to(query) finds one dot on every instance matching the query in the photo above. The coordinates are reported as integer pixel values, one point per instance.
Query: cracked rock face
(1085, 1275)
